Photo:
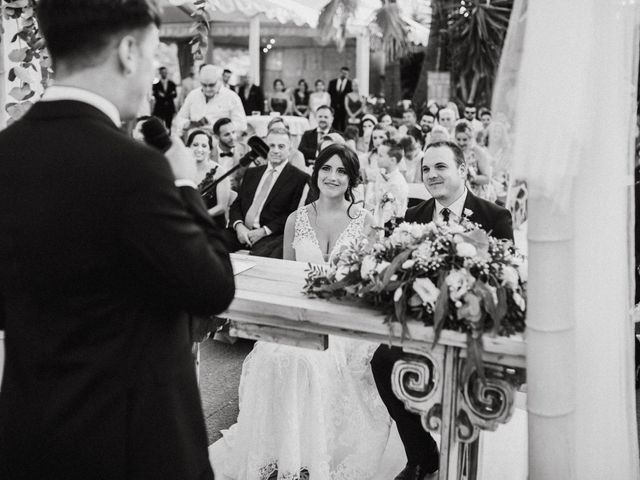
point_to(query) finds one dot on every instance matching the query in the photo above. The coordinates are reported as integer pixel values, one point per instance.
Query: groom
(443, 173)
(105, 250)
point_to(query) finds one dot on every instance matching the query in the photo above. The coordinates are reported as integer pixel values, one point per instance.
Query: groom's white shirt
(61, 92)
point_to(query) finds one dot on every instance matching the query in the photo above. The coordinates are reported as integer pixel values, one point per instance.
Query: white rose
(368, 266)
(510, 277)
(459, 282)
(381, 266)
(465, 249)
(408, 264)
(456, 228)
(426, 290)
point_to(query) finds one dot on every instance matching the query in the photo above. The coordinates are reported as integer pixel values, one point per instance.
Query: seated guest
(409, 121)
(427, 121)
(447, 118)
(385, 120)
(363, 143)
(333, 138)
(351, 135)
(266, 197)
(482, 137)
(200, 143)
(295, 157)
(310, 141)
(228, 150)
(391, 189)
(412, 158)
(212, 101)
(251, 95)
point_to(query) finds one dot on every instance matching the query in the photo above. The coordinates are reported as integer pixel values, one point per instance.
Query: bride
(307, 413)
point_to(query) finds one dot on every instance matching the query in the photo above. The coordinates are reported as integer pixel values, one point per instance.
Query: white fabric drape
(567, 89)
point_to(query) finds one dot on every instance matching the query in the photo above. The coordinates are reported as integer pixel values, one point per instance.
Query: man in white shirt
(391, 190)
(212, 101)
(228, 151)
(470, 116)
(266, 197)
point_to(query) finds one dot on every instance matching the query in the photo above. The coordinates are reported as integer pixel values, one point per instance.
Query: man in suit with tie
(444, 173)
(338, 89)
(312, 139)
(106, 250)
(266, 197)
(164, 95)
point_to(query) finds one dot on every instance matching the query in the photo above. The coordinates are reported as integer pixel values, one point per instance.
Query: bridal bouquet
(450, 276)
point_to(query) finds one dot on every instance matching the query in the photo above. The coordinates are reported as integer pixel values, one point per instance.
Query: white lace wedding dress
(301, 409)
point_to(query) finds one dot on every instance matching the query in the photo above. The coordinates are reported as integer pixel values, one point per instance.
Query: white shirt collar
(456, 208)
(61, 92)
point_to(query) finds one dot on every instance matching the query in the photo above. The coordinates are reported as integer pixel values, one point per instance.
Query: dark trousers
(269, 246)
(419, 445)
(165, 115)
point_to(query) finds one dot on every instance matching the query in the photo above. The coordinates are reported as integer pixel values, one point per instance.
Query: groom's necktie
(259, 199)
(445, 212)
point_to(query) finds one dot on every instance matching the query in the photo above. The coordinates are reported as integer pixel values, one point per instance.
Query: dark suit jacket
(491, 217)
(102, 259)
(337, 98)
(309, 143)
(281, 201)
(254, 102)
(164, 99)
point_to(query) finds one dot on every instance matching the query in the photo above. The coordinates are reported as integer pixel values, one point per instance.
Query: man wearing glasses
(470, 116)
(204, 106)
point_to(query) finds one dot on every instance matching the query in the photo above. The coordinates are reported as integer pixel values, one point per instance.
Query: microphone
(258, 149)
(155, 134)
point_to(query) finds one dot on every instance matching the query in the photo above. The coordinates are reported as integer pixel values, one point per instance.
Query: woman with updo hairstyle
(478, 163)
(200, 143)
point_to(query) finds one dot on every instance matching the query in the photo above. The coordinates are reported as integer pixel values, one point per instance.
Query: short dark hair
(469, 105)
(395, 150)
(408, 143)
(428, 113)
(77, 31)
(463, 127)
(458, 154)
(345, 68)
(351, 132)
(162, 68)
(221, 122)
(409, 110)
(226, 70)
(318, 81)
(279, 131)
(194, 133)
(326, 107)
(484, 111)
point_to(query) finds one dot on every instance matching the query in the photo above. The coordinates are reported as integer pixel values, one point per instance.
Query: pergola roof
(300, 13)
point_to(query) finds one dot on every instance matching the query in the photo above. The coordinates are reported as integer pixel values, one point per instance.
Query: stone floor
(220, 367)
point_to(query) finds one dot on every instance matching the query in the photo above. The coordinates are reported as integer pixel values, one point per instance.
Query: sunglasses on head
(208, 85)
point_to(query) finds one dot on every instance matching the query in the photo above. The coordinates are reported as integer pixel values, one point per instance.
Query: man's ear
(463, 170)
(127, 47)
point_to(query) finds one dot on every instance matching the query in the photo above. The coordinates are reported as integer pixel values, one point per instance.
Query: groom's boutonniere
(467, 212)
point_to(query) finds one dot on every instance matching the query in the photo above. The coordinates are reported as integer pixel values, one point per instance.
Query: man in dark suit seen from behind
(312, 139)
(164, 95)
(443, 173)
(266, 197)
(106, 250)
(251, 95)
(338, 89)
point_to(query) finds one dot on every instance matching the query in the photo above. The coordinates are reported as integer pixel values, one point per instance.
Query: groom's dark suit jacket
(102, 259)
(491, 217)
(419, 446)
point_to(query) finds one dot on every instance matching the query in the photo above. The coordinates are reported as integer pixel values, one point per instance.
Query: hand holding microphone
(180, 158)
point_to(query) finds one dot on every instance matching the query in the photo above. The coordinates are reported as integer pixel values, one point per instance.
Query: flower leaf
(441, 310)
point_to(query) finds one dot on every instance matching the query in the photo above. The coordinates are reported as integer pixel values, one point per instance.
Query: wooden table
(269, 305)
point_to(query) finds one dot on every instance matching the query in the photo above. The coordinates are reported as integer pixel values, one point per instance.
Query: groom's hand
(181, 160)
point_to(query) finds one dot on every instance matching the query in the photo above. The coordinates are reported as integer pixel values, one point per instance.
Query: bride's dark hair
(351, 165)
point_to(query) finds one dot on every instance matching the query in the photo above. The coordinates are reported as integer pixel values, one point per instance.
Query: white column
(362, 61)
(254, 49)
